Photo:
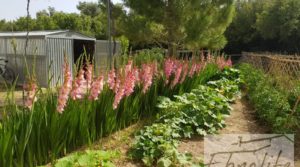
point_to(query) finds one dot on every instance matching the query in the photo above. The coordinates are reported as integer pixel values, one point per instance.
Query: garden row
(275, 104)
(200, 112)
(88, 107)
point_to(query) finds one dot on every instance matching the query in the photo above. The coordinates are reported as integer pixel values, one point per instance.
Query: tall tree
(194, 23)
(89, 8)
(117, 13)
(280, 21)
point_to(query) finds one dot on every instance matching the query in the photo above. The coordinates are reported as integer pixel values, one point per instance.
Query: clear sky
(12, 9)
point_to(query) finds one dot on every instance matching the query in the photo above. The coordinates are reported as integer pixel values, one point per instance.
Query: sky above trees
(12, 9)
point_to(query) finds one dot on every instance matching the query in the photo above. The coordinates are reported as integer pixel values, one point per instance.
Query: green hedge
(272, 103)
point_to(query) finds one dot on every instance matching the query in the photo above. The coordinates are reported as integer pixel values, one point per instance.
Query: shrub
(273, 104)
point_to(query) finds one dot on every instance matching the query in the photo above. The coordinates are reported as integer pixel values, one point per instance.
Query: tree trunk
(169, 20)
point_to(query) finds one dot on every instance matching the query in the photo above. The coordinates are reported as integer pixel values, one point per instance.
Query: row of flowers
(123, 81)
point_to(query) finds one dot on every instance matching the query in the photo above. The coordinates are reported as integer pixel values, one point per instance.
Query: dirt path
(241, 121)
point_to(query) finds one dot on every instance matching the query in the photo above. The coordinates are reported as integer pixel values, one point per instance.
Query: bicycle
(6, 72)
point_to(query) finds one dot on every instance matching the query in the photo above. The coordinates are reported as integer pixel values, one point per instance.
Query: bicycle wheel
(9, 76)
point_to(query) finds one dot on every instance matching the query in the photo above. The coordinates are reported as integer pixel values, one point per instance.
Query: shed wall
(13, 50)
(102, 53)
(56, 49)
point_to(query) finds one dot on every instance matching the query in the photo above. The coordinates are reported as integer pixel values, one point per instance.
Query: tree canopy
(192, 24)
(265, 25)
(181, 23)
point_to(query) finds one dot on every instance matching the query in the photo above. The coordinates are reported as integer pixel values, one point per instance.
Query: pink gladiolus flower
(128, 67)
(97, 87)
(209, 58)
(221, 62)
(117, 85)
(198, 67)
(229, 62)
(185, 69)
(111, 79)
(136, 72)
(202, 58)
(129, 83)
(168, 69)
(146, 76)
(30, 90)
(118, 97)
(193, 70)
(79, 86)
(89, 75)
(177, 74)
(65, 89)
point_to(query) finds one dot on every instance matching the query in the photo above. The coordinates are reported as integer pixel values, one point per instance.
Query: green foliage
(227, 83)
(92, 21)
(88, 158)
(272, 103)
(199, 112)
(265, 25)
(89, 8)
(226, 87)
(156, 144)
(195, 24)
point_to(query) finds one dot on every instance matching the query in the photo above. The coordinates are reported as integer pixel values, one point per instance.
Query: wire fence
(274, 64)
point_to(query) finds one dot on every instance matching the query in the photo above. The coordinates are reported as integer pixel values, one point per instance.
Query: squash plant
(200, 112)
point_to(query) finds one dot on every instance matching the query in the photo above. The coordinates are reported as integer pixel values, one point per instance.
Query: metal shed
(101, 54)
(46, 51)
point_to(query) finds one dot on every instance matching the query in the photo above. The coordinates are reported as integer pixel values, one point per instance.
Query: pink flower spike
(185, 69)
(129, 83)
(118, 97)
(198, 67)
(177, 74)
(146, 75)
(136, 72)
(128, 67)
(111, 79)
(168, 69)
(89, 75)
(192, 70)
(97, 87)
(79, 86)
(65, 89)
(229, 62)
(30, 90)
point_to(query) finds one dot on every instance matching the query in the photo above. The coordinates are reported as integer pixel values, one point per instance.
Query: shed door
(56, 49)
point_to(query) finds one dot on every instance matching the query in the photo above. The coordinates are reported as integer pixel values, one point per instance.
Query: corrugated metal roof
(43, 34)
(31, 33)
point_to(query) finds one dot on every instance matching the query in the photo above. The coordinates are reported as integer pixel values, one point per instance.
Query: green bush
(200, 112)
(273, 104)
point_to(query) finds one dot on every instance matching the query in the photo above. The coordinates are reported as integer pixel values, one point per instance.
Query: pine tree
(187, 23)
